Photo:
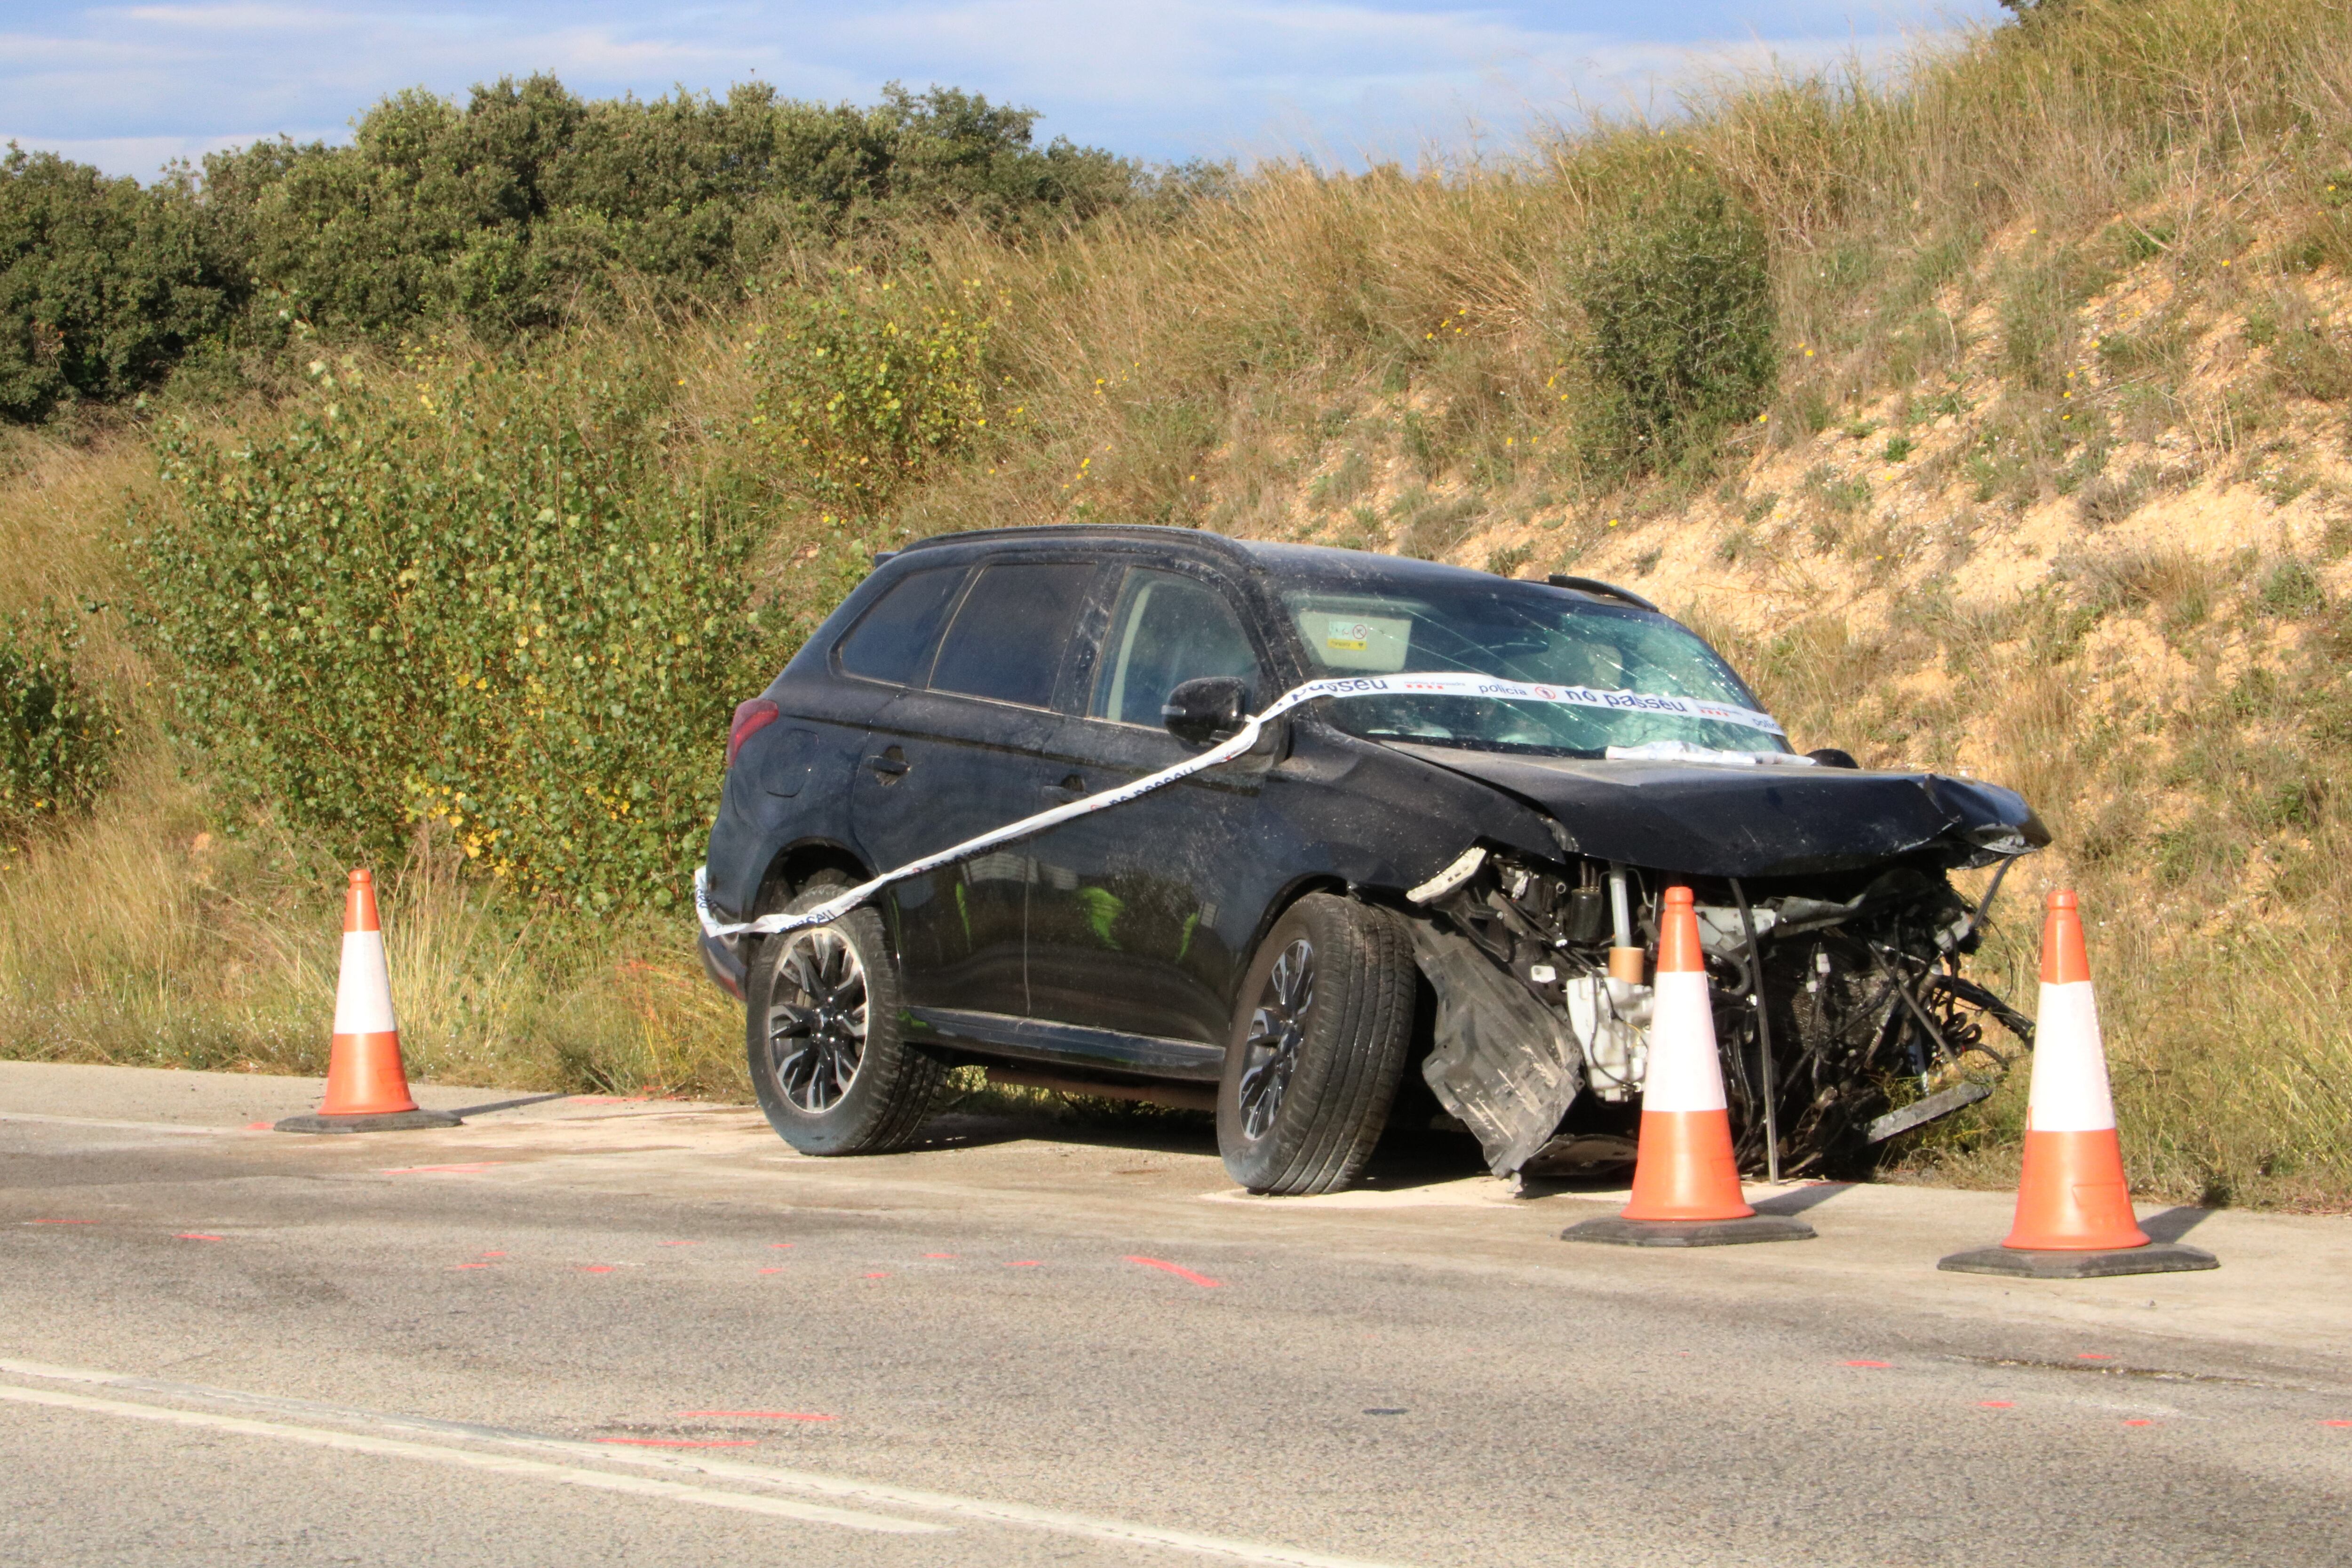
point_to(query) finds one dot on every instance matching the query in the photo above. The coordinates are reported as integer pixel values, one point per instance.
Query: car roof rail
(1599, 589)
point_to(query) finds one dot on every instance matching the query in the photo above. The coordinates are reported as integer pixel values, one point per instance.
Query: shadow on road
(504, 1104)
(1802, 1198)
(1164, 1133)
(2174, 1223)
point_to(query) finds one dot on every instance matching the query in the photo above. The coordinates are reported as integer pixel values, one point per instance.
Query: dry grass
(151, 936)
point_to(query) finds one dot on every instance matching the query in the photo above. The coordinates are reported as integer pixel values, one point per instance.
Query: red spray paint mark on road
(1876, 1364)
(2139, 1423)
(877, 1275)
(258, 1127)
(596, 1269)
(927, 1254)
(771, 1271)
(681, 1244)
(1180, 1272)
(1996, 1404)
(780, 1246)
(494, 1255)
(63, 1222)
(2092, 1355)
(2335, 1422)
(683, 1442)
(757, 1415)
(469, 1266)
(1027, 1263)
(474, 1168)
(198, 1236)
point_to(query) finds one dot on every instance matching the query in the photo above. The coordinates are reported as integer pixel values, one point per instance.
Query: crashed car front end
(1832, 931)
(1834, 938)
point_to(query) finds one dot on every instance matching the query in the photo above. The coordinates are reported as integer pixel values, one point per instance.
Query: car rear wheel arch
(799, 866)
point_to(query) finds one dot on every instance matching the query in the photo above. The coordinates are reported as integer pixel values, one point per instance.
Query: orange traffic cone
(2073, 1208)
(1685, 1180)
(367, 1089)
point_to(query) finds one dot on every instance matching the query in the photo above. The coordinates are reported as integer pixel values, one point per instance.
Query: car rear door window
(1007, 640)
(1168, 629)
(890, 640)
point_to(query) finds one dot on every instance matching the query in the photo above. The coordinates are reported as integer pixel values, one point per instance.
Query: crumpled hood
(1712, 821)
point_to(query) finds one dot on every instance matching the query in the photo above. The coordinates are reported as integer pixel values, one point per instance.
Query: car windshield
(1521, 632)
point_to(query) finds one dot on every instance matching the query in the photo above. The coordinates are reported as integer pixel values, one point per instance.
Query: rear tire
(1319, 1041)
(828, 1060)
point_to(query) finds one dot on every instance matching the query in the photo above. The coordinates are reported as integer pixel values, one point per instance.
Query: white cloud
(237, 18)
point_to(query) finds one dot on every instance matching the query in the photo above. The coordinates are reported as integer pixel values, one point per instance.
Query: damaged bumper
(1840, 1009)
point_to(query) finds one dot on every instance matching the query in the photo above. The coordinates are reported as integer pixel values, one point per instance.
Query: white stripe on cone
(1685, 1072)
(364, 991)
(2069, 1064)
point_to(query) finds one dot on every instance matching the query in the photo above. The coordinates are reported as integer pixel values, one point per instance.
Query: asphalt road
(582, 1332)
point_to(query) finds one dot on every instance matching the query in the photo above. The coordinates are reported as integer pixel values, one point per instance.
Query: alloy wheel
(1277, 1027)
(816, 1019)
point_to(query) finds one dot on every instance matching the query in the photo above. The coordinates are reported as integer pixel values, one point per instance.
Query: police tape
(1440, 683)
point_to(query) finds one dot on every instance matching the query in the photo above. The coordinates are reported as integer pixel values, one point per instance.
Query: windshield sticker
(1436, 683)
(1343, 639)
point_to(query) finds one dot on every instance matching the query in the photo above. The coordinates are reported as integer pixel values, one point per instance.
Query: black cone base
(2155, 1258)
(1618, 1231)
(390, 1121)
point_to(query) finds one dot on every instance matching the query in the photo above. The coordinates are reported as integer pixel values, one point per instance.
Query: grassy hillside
(1993, 417)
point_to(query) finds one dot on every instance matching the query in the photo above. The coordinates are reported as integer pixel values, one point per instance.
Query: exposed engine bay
(1840, 1008)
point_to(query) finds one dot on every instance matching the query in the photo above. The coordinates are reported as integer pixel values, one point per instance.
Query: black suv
(1461, 880)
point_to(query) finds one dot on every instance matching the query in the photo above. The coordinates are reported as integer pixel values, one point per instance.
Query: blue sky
(129, 86)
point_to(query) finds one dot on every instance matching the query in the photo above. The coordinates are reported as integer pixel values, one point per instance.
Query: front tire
(832, 1071)
(1318, 1043)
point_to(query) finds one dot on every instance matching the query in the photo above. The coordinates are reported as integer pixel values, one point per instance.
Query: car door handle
(890, 764)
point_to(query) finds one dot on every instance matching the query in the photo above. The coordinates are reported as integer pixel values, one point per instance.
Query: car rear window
(1007, 641)
(888, 642)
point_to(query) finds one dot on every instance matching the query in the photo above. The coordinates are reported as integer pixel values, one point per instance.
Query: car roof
(1323, 562)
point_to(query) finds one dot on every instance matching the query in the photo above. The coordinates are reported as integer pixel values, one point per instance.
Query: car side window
(1168, 629)
(891, 638)
(1007, 640)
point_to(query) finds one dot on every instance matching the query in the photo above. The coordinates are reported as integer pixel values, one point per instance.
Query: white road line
(807, 1482)
(501, 1464)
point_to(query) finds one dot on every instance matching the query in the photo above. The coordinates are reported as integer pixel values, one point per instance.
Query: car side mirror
(1833, 757)
(1205, 709)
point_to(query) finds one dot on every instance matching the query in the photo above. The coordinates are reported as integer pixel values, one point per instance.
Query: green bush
(1677, 297)
(103, 286)
(56, 734)
(476, 594)
(529, 204)
(863, 382)
(525, 209)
